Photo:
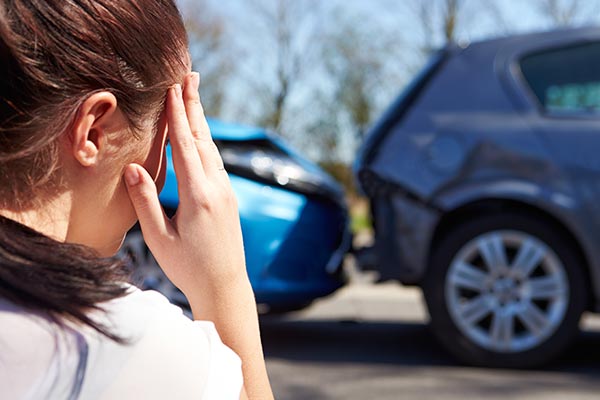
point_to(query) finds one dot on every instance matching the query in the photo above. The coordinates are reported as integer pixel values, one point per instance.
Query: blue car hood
(224, 131)
(227, 131)
(234, 132)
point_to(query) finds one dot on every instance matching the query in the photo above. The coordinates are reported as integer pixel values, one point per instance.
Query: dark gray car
(484, 180)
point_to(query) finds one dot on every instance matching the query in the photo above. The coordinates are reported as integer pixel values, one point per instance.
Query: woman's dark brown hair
(53, 55)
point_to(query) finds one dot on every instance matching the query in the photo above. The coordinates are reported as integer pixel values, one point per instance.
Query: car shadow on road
(398, 343)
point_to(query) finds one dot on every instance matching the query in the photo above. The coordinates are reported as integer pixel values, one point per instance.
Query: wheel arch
(490, 206)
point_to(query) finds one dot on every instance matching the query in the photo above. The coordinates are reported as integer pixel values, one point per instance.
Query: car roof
(499, 58)
(521, 43)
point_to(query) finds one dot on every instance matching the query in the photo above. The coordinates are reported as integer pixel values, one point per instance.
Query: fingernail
(178, 89)
(132, 177)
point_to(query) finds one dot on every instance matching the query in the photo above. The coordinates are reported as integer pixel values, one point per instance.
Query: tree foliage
(321, 72)
(288, 29)
(565, 13)
(211, 53)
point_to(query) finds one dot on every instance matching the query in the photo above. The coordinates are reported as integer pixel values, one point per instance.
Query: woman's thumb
(144, 197)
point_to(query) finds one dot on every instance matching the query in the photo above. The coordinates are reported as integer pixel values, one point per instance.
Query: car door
(565, 82)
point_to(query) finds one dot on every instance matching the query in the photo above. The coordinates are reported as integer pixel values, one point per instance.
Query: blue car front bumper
(294, 244)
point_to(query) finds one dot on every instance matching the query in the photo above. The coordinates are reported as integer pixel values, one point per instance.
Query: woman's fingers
(193, 107)
(144, 197)
(186, 160)
(209, 154)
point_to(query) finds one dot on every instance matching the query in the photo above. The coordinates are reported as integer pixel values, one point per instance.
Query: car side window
(566, 79)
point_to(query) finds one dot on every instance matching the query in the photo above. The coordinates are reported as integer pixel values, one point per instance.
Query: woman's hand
(200, 249)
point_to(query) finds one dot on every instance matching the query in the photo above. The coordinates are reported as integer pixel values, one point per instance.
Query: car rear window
(566, 79)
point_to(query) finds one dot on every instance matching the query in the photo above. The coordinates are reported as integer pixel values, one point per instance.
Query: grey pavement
(372, 342)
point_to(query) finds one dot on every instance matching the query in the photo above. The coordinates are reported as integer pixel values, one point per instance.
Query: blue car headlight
(262, 160)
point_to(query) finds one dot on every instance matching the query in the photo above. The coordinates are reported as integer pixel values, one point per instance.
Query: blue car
(293, 215)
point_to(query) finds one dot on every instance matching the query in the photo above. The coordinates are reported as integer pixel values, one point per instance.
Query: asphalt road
(372, 342)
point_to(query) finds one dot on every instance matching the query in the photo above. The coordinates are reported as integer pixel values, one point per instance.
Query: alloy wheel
(507, 291)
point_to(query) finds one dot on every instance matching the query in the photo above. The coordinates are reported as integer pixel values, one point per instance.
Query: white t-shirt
(167, 356)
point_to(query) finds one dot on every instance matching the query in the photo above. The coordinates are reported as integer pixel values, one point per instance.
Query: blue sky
(481, 19)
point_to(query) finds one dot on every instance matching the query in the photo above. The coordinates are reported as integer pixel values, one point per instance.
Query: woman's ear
(88, 133)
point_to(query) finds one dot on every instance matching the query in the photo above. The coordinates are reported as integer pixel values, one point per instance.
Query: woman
(89, 92)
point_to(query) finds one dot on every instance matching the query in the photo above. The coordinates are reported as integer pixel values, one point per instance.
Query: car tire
(505, 311)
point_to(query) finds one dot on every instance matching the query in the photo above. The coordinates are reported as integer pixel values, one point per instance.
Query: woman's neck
(50, 218)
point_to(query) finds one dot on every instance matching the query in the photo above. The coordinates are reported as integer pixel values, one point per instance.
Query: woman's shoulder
(164, 354)
(148, 315)
(32, 353)
(167, 355)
